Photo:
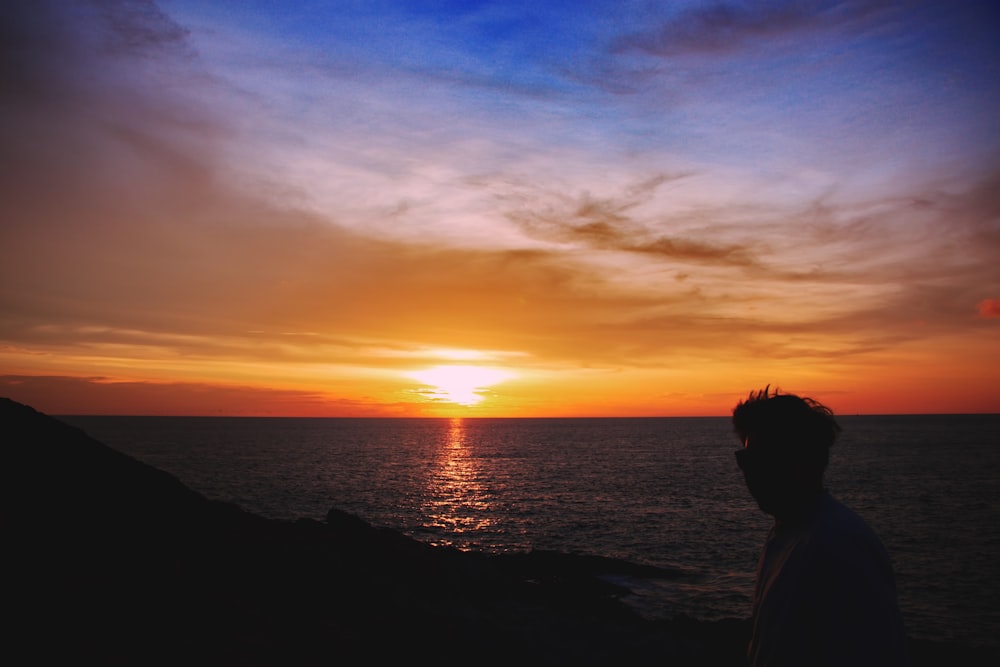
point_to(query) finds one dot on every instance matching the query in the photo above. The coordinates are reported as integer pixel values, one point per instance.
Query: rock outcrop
(113, 561)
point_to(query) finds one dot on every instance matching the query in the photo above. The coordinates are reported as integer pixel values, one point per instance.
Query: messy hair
(797, 427)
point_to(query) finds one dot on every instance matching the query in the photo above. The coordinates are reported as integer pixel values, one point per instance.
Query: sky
(382, 208)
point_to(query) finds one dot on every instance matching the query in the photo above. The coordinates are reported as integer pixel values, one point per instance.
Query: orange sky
(205, 216)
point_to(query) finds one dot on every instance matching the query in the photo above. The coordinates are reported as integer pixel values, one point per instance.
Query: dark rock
(117, 562)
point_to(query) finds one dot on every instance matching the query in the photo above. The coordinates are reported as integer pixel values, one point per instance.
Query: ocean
(658, 491)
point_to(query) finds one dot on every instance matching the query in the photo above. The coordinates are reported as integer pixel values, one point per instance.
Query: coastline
(119, 562)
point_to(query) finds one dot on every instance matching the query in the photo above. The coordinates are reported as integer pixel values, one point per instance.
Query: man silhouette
(825, 592)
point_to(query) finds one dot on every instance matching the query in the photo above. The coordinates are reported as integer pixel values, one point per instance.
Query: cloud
(102, 110)
(41, 44)
(62, 395)
(989, 308)
(725, 27)
(612, 223)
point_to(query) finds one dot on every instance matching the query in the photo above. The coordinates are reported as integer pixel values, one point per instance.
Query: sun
(464, 385)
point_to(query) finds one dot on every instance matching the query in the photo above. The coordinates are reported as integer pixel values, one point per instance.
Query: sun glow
(464, 385)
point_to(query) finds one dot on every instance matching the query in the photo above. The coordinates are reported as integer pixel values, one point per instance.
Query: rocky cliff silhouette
(114, 561)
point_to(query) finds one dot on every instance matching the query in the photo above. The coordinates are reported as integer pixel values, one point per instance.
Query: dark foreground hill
(116, 562)
(111, 561)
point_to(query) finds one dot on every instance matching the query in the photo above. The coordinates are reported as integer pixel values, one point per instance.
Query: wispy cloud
(989, 308)
(611, 224)
(63, 395)
(726, 27)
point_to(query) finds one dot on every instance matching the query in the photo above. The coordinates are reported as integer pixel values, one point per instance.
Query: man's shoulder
(830, 507)
(839, 526)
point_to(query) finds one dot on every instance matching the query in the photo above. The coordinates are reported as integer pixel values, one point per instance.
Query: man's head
(786, 447)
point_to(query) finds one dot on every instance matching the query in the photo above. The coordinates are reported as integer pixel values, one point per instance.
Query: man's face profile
(768, 475)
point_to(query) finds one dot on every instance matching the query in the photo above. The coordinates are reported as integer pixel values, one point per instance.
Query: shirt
(826, 595)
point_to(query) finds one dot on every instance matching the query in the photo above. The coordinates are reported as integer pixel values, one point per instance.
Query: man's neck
(800, 511)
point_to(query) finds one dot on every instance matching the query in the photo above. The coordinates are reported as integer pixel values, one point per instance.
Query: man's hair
(795, 427)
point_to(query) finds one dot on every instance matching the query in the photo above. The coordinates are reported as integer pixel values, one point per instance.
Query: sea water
(659, 491)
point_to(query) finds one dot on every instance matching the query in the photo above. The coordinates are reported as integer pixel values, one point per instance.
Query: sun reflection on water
(459, 499)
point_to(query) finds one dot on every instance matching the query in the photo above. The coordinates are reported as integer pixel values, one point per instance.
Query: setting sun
(464, 385)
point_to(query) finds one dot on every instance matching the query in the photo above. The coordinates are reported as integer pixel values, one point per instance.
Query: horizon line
(725, 416)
